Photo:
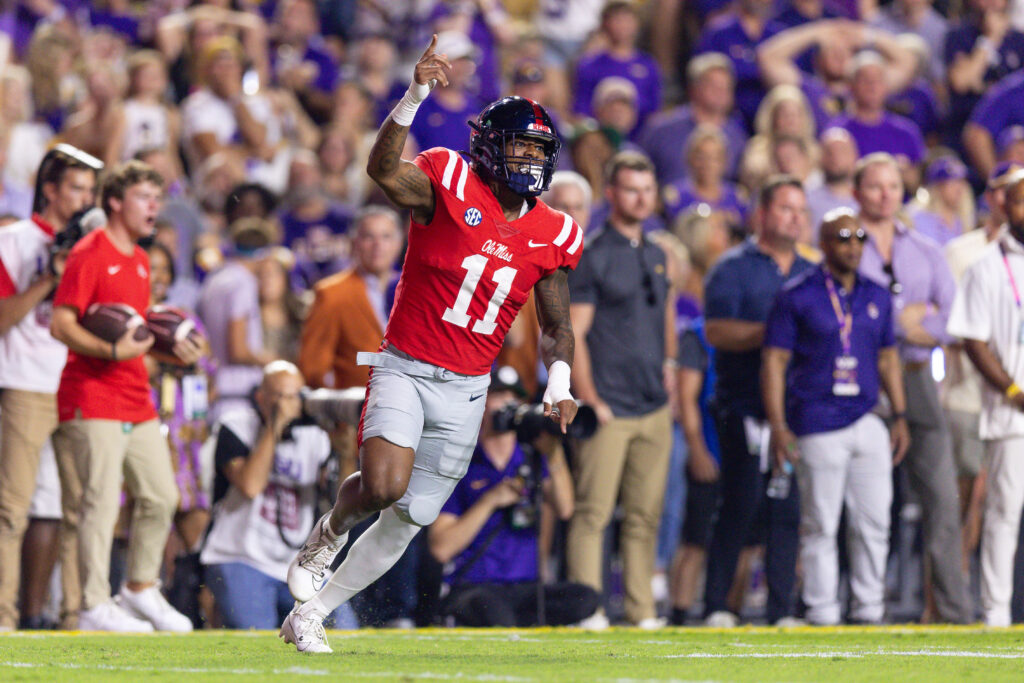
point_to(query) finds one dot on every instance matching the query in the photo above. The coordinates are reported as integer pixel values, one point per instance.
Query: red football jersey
(468, 273)
(96, 388)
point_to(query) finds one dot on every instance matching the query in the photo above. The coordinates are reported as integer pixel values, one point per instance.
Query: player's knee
(382, 491)
(418, 510)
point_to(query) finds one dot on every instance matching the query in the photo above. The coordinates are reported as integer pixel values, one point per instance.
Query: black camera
(528, 422)
(526, 512)
(78, 226)
(328, 408)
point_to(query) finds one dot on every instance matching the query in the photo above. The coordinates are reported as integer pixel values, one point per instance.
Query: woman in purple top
(705, 187)
(949, 208)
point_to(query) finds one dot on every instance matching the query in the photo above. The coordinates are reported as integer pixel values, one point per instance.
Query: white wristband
(405, 111)
(558, 383)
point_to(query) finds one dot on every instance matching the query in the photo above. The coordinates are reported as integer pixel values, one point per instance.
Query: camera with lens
(328, 408)
(525, 513)
(528, 422)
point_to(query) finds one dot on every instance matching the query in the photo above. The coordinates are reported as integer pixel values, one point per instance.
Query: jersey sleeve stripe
(576, 242)
(566, 231)
(7, 287)
(463, 173)
(449, 170)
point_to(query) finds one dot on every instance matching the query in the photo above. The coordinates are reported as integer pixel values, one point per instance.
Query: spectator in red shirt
(107, 414)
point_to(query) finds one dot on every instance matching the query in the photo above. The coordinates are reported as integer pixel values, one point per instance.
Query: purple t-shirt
(893, 134)
(437, 126)
(960, 40)
(664, 138)
(336, 221)
(641, 70)
(511, 557)
(790, 17)
(918, 104)
(1002, 106)
(681, 195)
(824, 104)
(804, 322)
(726, 35)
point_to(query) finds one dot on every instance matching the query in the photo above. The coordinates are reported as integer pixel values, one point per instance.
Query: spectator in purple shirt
(922, 286)
(979, 51)
(797, 13)
(300, 58)
(874, 129)
(827, 89)
(489, 531)
(949, 209)
(620, 26)
(710, 84)
(919, 102)
(705, 187)
(442, 117)
(737, 35)
(999, 110)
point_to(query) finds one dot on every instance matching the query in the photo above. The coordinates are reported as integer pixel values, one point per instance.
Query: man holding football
(106, 411)
(480, 241)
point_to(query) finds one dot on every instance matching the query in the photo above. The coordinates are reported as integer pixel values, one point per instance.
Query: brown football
(109, 322)
(170, 325)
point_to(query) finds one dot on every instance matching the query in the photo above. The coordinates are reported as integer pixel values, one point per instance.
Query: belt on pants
(408, 366)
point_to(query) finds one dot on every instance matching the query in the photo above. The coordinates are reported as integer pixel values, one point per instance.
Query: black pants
(744, 505)
(515, 604)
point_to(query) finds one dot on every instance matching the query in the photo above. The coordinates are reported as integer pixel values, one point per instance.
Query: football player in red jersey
(480, 241)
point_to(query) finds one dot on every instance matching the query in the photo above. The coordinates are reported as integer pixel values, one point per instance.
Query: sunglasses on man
(845, 235)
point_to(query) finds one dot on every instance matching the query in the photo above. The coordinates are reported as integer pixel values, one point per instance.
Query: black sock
(678, 616)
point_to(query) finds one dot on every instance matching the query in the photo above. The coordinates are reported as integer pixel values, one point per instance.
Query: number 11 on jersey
(458, 315)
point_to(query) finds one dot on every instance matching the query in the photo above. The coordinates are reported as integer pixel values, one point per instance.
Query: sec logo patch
(473, 217)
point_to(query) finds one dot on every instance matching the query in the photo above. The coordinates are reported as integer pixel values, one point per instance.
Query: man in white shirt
(265, 487)
(987, 313)
(30, 365)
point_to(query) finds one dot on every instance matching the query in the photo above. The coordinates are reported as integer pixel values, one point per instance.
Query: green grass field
(896, 654)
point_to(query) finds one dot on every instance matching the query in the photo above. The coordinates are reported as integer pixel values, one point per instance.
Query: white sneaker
(150, 604)
(304, 631)
(110, 616)
(308, 571)
(722, 619)
(652, 623)
(595, 622)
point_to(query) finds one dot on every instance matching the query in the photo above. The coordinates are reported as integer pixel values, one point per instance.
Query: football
(109, 322)
(170, 325)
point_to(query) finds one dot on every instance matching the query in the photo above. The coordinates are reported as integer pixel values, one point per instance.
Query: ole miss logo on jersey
(468, 272)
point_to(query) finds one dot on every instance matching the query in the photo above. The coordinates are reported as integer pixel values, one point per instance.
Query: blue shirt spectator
(742, 286)
(804, 322)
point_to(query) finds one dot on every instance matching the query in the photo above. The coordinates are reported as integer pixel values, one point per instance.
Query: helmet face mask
(497, 133)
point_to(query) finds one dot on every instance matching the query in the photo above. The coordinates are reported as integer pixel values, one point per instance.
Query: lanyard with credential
(844, 317)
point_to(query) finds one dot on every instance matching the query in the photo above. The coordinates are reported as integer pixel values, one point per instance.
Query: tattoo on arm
(552, 296)
(403, 182)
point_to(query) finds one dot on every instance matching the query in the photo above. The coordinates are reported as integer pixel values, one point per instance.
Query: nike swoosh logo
(473, 398)
(531, 243)
(113, 270)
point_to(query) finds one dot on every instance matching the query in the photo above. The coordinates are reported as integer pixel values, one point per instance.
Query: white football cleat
(308, 571)
(305, 631)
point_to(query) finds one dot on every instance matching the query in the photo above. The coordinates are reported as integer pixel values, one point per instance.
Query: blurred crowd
(259, 116)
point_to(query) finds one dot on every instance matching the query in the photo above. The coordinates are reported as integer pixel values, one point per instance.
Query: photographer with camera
(489, 527)
(32, 254)
(267, 467)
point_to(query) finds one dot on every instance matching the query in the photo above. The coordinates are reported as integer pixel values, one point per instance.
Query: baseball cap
(456, 45)
(1001, 173)
(945, 168)
(505, 378)
(614, 87)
